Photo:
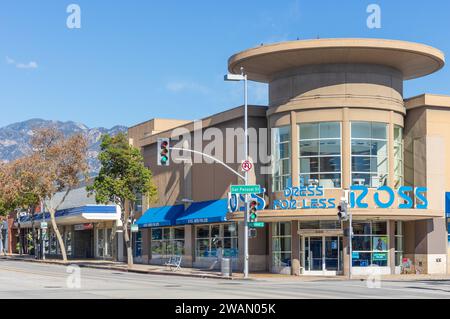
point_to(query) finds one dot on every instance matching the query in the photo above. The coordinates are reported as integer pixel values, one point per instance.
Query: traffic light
(253, 212)
(163, 152)
(343, 211)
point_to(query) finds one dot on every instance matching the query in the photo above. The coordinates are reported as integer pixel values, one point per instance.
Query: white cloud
(20, 65)
(179, 86)
(9, 60)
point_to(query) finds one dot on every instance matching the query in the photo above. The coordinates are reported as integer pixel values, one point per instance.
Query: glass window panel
(285, 229)
(361, 130)
(309, 179)
(330, 130)
(379, 228)
(179, 233)
(361, 164)
(309, 165)
(309, 131)
(156, 233)
(379, 130)
(330, 147)
(361, 228)
(360, 147)
(309, 148)
(362, 243)
(166, 233)
(284, 134)
(399, 228)
(285, 150)
(202, 247)
(281, 244)
(157, 248)
(310, 225)
(379, 148)
(202, 231)
(330, 164)
(215, 230)
(399, 243)
(230, 230)
(330, 180)
(363, 260)
(361, 179)
(285, 167)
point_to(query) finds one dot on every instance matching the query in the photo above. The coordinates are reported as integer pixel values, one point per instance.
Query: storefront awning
(160, 216)
(214, 211)
(75, 215)
(447, 204)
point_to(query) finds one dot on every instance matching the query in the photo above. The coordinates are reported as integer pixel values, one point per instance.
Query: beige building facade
(336, 120)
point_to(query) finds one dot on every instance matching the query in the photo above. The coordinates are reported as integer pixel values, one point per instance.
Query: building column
(345, 251)
(146, 245)
(270, 259)
(295, 244)
(189, 246)
(346, 149)
(241, 239)
(295, 152)
(391, 257)
(391, 157)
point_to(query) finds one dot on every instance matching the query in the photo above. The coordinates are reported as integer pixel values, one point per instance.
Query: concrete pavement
(21, 280)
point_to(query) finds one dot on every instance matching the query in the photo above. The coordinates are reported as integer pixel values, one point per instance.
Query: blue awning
(447, 204)
(160, 216)
(75, 211)
(214, 211)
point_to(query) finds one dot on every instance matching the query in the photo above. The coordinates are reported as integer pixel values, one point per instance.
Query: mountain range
(15, 138)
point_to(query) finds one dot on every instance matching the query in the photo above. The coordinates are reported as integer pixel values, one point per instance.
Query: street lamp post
(243, 77)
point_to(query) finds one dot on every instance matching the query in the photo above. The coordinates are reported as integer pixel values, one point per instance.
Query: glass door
(314, 253)
(322, 255)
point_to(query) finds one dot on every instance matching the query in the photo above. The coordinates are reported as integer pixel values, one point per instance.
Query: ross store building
(337, 120)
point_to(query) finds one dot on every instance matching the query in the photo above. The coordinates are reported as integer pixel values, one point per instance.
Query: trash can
(226, 267)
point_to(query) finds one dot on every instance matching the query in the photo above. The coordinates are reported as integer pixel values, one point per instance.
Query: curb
(121, 269)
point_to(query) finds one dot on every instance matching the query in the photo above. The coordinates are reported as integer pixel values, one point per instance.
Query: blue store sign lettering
(300, 198)
(237, 202)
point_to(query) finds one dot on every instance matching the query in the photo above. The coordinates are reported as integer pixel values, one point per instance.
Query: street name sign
(257, 225)
(134, 228)
(245, 189)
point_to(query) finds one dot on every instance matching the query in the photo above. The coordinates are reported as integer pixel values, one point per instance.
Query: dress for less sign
(313, 197)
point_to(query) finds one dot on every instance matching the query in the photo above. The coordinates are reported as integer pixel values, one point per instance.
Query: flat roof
(431, 100)
(414, 60)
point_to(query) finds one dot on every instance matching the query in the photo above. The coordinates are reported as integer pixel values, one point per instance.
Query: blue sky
(134, 60)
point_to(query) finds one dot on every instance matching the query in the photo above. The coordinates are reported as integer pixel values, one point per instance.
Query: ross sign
(247, 166)
(134, 228)
(313, 197)
(83, 227)
(245, 189)
(44, 225)
(257, 225)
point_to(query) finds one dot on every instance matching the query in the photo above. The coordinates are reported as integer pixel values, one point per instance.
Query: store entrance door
(322, 255)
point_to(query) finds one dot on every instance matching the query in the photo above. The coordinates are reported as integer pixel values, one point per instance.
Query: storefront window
(281, 244)
(369, 154)
(398, 157)
(168, 241)
(281, 150)
(211, 238)
(320, 154)
(399, 243)
(53, 243)
(68, 241)
(370, 244)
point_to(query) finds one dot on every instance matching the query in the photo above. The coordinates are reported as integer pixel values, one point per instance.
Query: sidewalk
(204, 273)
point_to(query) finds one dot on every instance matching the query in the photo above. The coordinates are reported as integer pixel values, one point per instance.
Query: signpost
(245, 189)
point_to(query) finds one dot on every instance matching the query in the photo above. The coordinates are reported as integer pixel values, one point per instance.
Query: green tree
(123, 176)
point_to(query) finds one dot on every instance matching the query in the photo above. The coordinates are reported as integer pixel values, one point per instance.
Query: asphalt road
(24, 280)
